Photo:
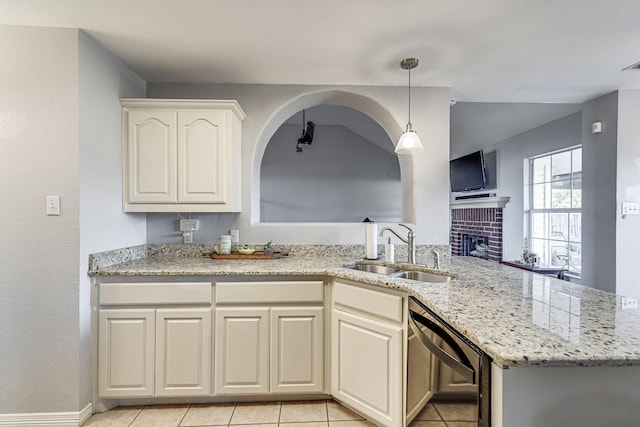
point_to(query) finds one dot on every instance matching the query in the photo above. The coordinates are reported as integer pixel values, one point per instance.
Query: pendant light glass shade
(409, 141)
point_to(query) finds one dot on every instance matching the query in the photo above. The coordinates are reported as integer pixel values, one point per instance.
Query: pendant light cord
(409, 97)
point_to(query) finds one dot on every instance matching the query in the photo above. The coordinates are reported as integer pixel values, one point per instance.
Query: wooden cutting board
(255, 255)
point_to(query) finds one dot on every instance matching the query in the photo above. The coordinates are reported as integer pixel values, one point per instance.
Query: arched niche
(350, 171)
(358, 102)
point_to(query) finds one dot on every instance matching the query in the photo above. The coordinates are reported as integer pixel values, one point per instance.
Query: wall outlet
(629, 208)
(235, 236)
(628, 303)
(189, 225)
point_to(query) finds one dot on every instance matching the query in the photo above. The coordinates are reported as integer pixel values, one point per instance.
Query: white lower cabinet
(126, 353)
(242, 350)
(366, 353)
(297, 349)
(269, 337)
(183, 352)
(148, 352)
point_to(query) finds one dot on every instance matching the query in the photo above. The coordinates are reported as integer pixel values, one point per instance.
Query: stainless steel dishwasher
(445, 364)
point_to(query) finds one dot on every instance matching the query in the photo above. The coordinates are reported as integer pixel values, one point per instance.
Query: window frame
(530, 210)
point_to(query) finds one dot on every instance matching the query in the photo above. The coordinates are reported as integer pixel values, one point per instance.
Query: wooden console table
(553, 271)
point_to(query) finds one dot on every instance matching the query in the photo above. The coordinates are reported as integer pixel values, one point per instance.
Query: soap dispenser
(388, 251)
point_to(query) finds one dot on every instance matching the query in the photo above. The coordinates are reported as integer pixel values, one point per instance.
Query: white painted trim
(184, 103)
(58, 419)
(480, 203)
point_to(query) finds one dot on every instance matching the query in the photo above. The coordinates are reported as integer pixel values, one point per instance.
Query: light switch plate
(53, 205)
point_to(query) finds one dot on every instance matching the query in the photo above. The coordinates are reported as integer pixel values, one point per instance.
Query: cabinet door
(151, 156)
(297, 350)
(242, 350)
(204, 159)
(183, 352)
(126, 353)
(366, 359)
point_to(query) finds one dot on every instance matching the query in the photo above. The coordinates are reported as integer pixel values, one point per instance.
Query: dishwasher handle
(461, 365)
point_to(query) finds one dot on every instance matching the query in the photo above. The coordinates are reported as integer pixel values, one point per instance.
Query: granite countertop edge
(487, 302)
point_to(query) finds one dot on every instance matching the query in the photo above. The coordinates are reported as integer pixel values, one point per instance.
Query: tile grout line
(326, 410)
(137, 415)
(235, 405)
(184, 415)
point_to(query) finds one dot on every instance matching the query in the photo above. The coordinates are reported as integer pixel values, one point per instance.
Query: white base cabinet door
(368, 330)
(367, 366)
(126, 353)
(183, 352)
(269, 337)
(297, 350)
(242, 350)
(157, 350)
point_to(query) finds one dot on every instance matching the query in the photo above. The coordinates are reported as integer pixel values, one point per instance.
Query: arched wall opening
(350, 166)
(358, 102)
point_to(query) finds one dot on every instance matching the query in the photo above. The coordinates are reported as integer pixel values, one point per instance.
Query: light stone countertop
(517, 317)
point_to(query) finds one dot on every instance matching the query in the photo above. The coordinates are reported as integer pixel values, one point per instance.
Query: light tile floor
(320, 413)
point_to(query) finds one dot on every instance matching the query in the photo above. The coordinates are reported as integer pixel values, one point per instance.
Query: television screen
(467, 172)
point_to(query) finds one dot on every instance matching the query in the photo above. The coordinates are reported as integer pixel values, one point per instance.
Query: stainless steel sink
(373, 268)
(423, 276)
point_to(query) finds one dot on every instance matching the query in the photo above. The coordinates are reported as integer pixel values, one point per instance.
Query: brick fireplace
(472, 225)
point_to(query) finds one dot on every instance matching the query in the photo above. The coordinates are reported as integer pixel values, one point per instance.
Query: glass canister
(224, 244)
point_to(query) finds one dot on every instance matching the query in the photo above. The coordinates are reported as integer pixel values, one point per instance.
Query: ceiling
(491, 51)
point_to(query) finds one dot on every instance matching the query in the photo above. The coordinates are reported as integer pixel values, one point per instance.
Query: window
(555, 208)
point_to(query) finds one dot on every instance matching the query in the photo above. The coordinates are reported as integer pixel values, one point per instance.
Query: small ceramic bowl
(246, 251)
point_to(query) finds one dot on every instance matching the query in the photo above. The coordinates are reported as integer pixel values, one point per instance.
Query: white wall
(628, 190)
(59, 135)
(39, 348)
(556, 135)
(611, 175)
(103, 226)
(268, 106)
(599, 193)
(340, 177)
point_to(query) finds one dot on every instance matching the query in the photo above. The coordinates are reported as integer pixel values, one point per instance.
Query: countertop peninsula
(517, 317)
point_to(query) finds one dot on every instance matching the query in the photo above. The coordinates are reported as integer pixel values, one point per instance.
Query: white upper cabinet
(181, 155)
(151, 159)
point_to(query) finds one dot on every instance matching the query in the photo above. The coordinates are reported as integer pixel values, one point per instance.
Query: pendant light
(307, 135)
(409, 141)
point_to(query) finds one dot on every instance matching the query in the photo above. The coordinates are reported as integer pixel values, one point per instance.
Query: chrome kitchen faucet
(411, 250)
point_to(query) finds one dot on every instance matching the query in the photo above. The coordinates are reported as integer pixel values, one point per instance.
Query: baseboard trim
(54, 419)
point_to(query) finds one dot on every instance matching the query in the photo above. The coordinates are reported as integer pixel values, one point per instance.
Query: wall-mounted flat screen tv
(467, 173)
